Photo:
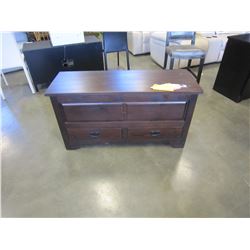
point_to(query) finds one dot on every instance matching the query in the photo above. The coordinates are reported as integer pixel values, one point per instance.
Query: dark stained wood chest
(119, 106)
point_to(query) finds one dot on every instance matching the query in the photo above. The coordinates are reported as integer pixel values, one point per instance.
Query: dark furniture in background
(115, 42)
(45, 61)
(233, 78)
(186, 52)
(120, 107)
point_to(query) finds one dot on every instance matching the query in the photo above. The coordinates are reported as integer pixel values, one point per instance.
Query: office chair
(115, 42)
(187, 52)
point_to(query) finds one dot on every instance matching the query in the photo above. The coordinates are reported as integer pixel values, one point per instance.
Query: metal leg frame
(6, 83)
(1, 93)
(200, 69)
(171, 63)
(127, 56)
(105, 61)
(198, 76)
(165, 61)
(118, 61)
(29, 79)
(4, 79)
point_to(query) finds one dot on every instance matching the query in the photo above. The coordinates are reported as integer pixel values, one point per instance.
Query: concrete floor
(209, 177)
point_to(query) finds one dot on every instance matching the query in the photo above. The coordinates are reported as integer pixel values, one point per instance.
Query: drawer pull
(155, 133)
(94, 134)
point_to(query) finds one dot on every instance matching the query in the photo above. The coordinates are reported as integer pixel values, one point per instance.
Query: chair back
(180, 35)
(115, 41)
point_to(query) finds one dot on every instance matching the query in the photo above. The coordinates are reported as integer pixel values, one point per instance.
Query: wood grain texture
(120, 81)
(109, 112)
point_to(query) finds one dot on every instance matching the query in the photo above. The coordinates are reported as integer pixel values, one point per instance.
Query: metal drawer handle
(155, 133)
(94, 134)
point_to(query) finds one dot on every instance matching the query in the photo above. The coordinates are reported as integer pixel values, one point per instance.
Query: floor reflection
(108, 196)
(184, 175)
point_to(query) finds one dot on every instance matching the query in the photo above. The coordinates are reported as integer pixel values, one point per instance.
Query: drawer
(153, 133)
(94, 134)
(153, 111)
(92, 111)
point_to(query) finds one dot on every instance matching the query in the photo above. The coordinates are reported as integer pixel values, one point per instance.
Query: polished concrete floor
(209, 177)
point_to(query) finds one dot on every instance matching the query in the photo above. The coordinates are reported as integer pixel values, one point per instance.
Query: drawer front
(153, 111)
(153, 133)
(94, 134)
(92, 111)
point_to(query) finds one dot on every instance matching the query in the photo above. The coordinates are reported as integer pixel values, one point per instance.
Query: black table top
(242, 37)
(47, 44)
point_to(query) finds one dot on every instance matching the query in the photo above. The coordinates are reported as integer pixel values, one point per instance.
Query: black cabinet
(233, 78)
(45, 61)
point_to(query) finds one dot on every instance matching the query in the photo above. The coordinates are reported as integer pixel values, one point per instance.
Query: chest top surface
(120, 81)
